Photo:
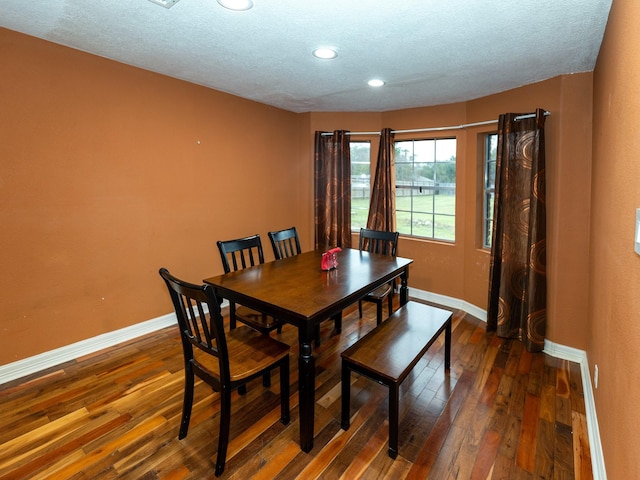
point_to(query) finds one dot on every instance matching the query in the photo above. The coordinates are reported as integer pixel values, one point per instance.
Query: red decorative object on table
(330, 259)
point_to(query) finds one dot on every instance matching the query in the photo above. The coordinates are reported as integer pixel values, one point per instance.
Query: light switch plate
(637, 237)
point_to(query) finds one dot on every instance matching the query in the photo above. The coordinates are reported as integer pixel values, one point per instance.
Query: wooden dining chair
(285, 243)
(242, 253)
(225, 361)
(383, 243)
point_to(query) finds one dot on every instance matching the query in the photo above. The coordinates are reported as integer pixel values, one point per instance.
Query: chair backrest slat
(243, 252)
(199, 319)
(377, 241)
(285, 243)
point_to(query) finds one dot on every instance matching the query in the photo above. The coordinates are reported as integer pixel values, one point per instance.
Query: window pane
(487, 232)
(404, 200)
(424, 151)
(360, 183)
(424, 173)
(403, 222)
(444, 227)
(422, 225)
(446, 150)
(426, 187)
(490, 156)
(445, 200)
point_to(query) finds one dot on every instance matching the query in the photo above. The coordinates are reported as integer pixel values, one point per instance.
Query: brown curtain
(332, 190)
(382, 209)
(517, 282)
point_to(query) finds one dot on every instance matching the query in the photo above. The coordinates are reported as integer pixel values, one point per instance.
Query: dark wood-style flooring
(501, 413)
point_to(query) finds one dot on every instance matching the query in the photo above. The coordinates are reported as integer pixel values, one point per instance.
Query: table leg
(404, 290)
(306, 392)
(447, 345)
(337, 320)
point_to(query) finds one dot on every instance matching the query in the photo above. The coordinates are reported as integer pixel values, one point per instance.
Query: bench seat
(388, 353)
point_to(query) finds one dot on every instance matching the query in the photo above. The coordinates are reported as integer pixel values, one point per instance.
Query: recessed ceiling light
(326, 53)
(375, 83)
(236, 4)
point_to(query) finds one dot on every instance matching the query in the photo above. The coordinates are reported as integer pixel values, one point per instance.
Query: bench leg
(346, 397)
(394, 405)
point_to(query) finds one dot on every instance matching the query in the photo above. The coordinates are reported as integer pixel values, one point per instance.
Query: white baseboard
(42, 361)
(595, 445)
(449, 302)
(49, 359)
(28, 366)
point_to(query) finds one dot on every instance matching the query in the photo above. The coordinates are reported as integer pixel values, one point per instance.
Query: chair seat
(255, 319)
(252, 353)
(380, 292)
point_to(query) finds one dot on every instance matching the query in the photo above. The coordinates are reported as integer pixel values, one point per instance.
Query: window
(360, 183)
(426, 188)
(490, 156)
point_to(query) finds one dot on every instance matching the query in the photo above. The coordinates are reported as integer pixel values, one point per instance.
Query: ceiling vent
(165, 3)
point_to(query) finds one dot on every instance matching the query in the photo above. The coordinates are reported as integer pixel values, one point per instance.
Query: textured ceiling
(429, 52)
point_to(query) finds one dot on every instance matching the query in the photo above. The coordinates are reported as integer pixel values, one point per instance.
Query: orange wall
(109, 172)
(615, 268)
(104, 181)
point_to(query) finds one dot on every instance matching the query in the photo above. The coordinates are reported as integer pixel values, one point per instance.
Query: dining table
(297, 291)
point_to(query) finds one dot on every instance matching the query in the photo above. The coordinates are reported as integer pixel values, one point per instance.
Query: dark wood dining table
(297, 291)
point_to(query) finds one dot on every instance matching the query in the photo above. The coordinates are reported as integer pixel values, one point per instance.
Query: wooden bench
(388, 353)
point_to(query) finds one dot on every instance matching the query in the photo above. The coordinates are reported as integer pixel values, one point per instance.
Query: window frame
(356, 228)
(435, 213)
(489, 161)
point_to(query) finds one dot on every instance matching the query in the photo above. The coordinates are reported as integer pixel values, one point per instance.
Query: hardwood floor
(501, 413)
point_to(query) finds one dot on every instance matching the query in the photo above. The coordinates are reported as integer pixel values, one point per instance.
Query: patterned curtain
(518, 282)
(382, 209)
(332, 190)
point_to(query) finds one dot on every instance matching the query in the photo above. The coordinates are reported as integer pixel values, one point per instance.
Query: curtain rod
(438, 129)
